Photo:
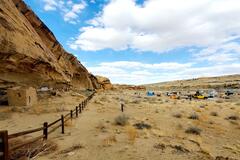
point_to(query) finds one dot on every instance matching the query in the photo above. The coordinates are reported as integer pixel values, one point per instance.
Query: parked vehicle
(229, 92)
(199, 95)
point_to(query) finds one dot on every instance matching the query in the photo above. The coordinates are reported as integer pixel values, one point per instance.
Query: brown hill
(221, 82)
(31, 55)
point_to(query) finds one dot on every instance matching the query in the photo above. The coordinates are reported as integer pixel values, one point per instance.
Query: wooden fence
(46, 129)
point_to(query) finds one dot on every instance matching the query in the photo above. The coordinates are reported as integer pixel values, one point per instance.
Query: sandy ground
(94, 135)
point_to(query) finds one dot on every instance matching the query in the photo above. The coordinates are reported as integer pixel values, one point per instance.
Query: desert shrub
(214, 114)
(179, 126)
(232, 117)
(32, 150)
(159, 146)
(193, 130)
(177, 115)
(121, 120)
(135, 101)
(194, 116)
(98, 102)
(101, 126)
(103, 99)
(142, 125)
(202, 106)
(179, 149)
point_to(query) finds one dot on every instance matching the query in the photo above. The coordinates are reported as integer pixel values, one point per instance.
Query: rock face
(104, 82)
(31, 55)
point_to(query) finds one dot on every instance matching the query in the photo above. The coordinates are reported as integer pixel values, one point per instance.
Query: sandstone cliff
(31, 55)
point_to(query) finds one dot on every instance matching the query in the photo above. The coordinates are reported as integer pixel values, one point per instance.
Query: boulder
(104, 82)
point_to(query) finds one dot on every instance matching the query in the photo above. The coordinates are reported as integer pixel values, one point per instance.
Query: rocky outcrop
(104, 82)
(31, 55)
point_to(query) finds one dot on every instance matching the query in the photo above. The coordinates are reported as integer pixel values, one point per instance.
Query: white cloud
(139, 65)
(227, 52)
(161, 25)
(92, 1)
(129, 72)
(99, 38)
(68, 9)
(50, 5)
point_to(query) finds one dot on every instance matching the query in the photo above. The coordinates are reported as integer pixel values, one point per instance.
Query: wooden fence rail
(46, 129)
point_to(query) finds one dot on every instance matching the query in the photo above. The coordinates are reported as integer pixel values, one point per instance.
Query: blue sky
(147, 41)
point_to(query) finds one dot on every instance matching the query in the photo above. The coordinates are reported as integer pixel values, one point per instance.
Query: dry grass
(98, 102)
(214, 114)
(61, 109)
(71, 149)
(232, 117)
(32, 150)
(135, 101)
(69, 123)
(132, 134)
(219, 101)
(121, 120)
(177, 115)
(159, 146)
(108, 141)
(103, 99)
(193, 130)
(194, 116)
(5, 116)
(101, 126)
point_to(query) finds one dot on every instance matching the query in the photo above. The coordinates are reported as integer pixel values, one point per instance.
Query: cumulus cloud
(68, 9)
(227, 52)
(131, 72)
(50, 5)
(161, 25)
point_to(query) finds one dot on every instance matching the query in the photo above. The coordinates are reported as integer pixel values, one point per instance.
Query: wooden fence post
(62, 121)
(45, 130)
(80, 108)
(76, 111)
(122, 107)
(4, 152)
(71, 114)
(82, 105)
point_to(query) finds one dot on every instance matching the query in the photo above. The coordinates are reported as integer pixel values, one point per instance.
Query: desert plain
(149, 128)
